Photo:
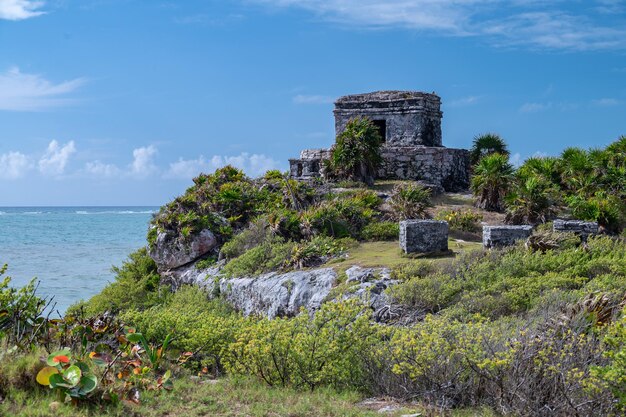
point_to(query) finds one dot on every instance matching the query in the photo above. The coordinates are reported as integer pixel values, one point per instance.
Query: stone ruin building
(410, 125)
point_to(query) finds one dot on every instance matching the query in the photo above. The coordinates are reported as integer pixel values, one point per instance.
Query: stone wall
(423, 236)
(581, 228)
(498, 236)
(445, 167)
(412, 118)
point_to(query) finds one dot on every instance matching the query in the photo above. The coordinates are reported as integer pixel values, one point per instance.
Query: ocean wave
(116, 212)
(33, 212)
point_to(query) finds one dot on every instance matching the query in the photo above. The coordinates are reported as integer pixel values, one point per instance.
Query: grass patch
(232, 397)
(389, 254)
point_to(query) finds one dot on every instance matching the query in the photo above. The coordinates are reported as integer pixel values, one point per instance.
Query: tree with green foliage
(487, 144)
(356, 153)
(532, 200)
(492, 181)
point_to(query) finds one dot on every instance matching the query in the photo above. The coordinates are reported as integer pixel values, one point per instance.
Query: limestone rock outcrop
(171, 250)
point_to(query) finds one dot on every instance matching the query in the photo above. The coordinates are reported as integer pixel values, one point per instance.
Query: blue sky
(122, 102)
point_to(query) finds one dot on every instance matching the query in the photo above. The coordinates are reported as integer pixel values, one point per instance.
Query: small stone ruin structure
(423, 236)
(581, 228)
(410, 125)
(499, 236)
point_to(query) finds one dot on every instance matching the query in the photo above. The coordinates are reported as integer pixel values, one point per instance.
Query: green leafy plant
(410, 201)
(532, 200)
(70, 378)
(461, 220)
(492, 181)
(356, 154)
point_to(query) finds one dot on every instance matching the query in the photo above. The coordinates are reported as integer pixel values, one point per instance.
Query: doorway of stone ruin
(381, 125)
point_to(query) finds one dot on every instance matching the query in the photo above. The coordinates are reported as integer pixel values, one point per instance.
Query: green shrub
(613, 374)
(271, 255)
(305, 352)
(511, 281)
(20, 312)
(410, 201)
(337, 218)
(356, 154)
(491, 182)
(255, 234)
(461, 220)
(317, 251)
(196, 324)
(381, 231)
(531, 201)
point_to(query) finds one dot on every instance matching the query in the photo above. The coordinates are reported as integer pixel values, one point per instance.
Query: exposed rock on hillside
(171, 250)
(279, 294)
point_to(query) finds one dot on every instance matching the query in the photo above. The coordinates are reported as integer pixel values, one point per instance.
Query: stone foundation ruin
(410, 124)
(499, 236)
(423, 236)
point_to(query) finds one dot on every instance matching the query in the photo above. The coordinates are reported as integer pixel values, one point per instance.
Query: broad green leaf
(88, 383)
(134, 337)
(43, 376)
(57, 381)
(72, 375)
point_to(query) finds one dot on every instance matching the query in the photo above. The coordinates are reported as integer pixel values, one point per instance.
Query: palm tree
(532, 201)
(492, 180)
(356, 153)
(487, 144)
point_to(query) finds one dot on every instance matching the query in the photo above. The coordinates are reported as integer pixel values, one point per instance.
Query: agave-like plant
(487, 144)
(356, 153)
(492, 181)
(410, 201)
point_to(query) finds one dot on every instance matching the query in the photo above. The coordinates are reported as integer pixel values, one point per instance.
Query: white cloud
(54, 161)
(464, 101)
(143, 161)
(99, 169)
(312, 99)
(605, 102)
(546, 25)
(535, 107)
(13, 165)
(20, 9)
(253, 165)
(31, 92)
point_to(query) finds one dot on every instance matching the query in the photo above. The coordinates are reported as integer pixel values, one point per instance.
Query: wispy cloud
(538, 24)
(102, 170)
(20, 9)
(464, 101)
(312, 99)
(534, 107)
(605, 102)
(253, 164)
(32, 92)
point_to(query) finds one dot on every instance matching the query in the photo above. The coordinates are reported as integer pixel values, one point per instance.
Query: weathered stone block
(579, 227)
(423, 236)
(498, 236)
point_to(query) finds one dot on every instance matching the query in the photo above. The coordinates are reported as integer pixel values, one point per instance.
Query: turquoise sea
(70, 250)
